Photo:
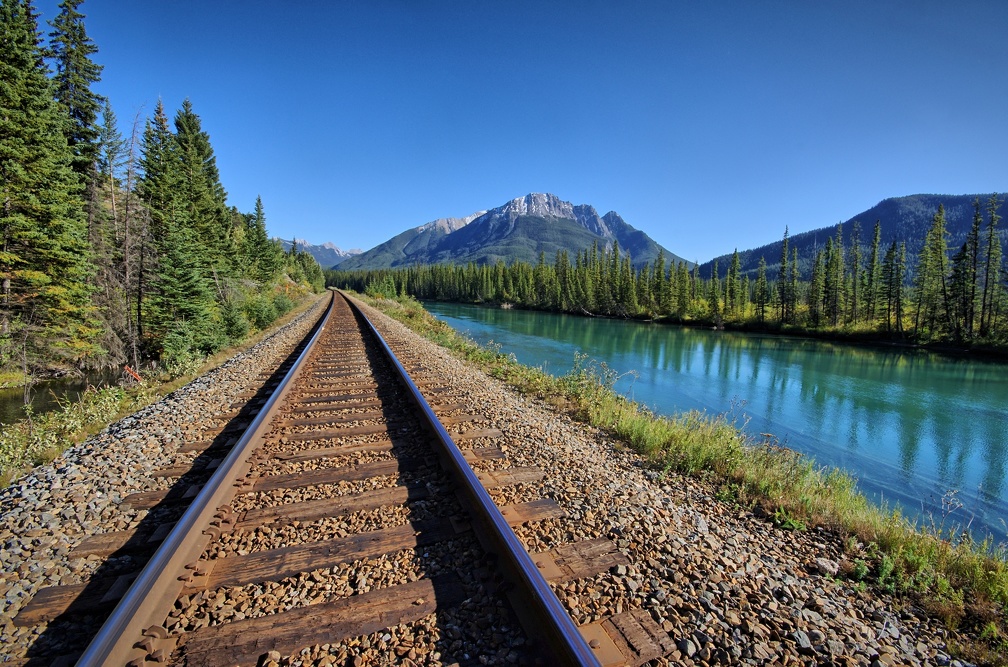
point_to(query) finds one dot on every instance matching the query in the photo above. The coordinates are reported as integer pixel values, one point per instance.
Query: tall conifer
(71, 50)
(44, 264)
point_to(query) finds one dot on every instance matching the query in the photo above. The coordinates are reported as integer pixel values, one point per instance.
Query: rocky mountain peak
(538, 204)
(546, 205)
(449, 225)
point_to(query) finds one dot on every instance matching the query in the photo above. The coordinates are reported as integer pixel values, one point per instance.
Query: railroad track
(335, 521)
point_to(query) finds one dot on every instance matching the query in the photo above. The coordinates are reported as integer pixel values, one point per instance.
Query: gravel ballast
(728, 587)
(47, 512)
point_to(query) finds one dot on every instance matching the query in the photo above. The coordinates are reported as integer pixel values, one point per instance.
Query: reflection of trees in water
(911, 408)
(993, 452)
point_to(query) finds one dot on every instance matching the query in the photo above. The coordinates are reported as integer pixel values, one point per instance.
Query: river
(921, 431)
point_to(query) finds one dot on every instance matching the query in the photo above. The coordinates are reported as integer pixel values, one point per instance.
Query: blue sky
(709, 125)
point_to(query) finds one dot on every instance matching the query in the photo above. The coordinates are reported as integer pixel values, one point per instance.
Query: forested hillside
(901, 219)
(870, 291)
(113, 248)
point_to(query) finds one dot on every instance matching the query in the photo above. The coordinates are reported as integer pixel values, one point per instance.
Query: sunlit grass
(962, 581)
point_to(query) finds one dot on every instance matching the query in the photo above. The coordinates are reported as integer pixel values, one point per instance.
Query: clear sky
(709, 125)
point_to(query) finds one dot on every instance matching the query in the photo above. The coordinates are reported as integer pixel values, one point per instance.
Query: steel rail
(553, 623)
(150, 599)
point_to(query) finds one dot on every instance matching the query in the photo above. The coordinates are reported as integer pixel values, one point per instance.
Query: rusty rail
(552, 622)
(134, 631)
(133, 628)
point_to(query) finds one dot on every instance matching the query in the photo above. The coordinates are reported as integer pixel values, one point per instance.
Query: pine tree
(733, 293)
(204, 194)
(835, 279)
(817, 289)
(263, 258)
(899, 276)
(854, 283)
(872, 275)
(659, 283)
(892, 274)
(71, 50)
(685, 290)
(762, 295)
(932, 271)
(45, 287)
(180, 297)
(793, 287)
(782, 278)
(714, 296)
(992, 268)
(971, 270)
(959, 293)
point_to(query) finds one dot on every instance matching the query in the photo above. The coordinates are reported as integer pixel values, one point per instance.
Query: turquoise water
(914, 427)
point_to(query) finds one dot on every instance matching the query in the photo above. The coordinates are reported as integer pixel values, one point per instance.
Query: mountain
(327, 254)
(902, 219)
(520, 230)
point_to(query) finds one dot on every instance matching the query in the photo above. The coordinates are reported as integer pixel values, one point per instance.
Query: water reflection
(47, 395)
(911, 425)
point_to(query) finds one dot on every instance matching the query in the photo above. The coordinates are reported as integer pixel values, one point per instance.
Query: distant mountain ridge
(326, 254)
(902, 219)
(520, 230)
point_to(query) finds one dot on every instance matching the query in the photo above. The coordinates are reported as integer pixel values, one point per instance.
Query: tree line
(115, 248)
(854, 286)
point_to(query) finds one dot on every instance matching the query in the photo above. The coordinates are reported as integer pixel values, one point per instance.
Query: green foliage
(44, 257)
(262, 258)
(783, 519)
(860, 569)
(236, 324)
(181, 349)
(203, 195)
(282, 304)
(303, 269)
(260, 311)
(39, 439)
(71, 50)
(382, 288)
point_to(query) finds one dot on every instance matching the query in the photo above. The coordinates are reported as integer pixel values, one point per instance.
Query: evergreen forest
(117, 249)
(855, 288)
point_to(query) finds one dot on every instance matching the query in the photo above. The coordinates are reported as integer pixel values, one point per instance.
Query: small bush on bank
(180, 353)
(282, 304)
(236, 325)
(41, 438)
(260, 311)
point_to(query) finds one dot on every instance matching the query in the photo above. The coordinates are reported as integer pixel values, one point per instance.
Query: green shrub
(282, 304)
(236, 325)
(180, 350)
(260, 311)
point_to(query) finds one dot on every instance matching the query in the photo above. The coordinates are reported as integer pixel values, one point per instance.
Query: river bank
(727, 585)
(38, 436)
(958, 584)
